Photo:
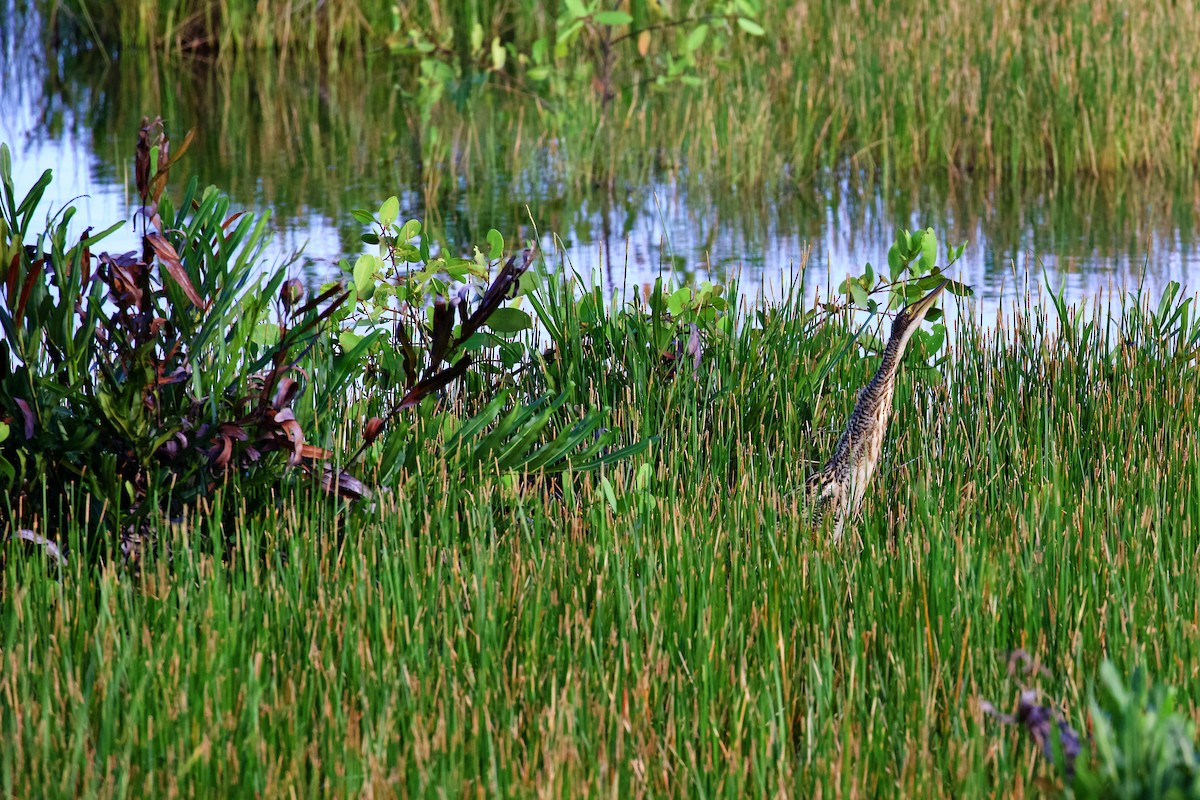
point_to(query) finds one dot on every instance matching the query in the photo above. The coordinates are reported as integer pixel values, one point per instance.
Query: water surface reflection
(312, 144)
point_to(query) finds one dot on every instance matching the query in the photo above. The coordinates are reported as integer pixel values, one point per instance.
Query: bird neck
(892, 354)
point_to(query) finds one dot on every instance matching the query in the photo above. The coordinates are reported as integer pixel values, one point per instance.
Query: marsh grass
(311, 145)
(893, 87)
(668, 627)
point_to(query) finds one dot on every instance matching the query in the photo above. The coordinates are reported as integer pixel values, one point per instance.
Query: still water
(312, 143)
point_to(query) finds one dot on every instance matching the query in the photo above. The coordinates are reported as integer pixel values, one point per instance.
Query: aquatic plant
(137, 386)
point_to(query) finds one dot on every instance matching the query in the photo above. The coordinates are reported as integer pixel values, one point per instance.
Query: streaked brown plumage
(842, 483)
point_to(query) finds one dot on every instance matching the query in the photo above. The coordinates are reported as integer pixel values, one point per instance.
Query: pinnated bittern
(843, 482)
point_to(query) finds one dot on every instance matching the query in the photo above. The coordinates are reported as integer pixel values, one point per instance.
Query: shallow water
(311, 145)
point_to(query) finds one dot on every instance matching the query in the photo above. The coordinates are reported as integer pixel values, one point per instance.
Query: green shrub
(135, 385)
(1144, 744)
(146, 380)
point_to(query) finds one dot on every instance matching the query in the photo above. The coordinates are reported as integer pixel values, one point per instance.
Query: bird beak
(918, 309)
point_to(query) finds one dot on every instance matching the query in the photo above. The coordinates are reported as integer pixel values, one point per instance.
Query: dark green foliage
(141, 382)
(1144, 743)
(135, 386)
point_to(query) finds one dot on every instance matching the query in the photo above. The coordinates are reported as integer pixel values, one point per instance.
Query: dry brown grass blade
(166, 253)
(141, 161)
(286, 420)
(123, 284)
(285, 393)
(165, 161)
(332, 291)
(373, 429)
(225, 226)
(342, 483)
(222, 453)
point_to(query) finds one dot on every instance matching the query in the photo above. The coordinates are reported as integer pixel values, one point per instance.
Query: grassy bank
(667, 627)
(898, 86)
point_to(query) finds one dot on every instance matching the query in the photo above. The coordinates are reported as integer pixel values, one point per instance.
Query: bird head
(913, 314)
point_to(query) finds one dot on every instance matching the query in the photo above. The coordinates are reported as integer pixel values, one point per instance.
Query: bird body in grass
(841, 486)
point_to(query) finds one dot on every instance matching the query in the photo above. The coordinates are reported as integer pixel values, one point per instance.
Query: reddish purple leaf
(166, 253)
(27, 414)
(373, 429)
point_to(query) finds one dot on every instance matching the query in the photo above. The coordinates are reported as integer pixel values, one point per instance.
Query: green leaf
(643, 477)
(895, 263)
(750, 26)
(34, 197)
(936, 339)
(5, 167)
(1112, 681)
(499, 54)
(365, 217)
(265, 333)
(914, 244)
(478, 341)
(868, 275)
(389, 211)
(697, 37)
(495, 244)
(91, 240)
(575, 9)
(4, 430)
(509, 320)
(859, 294)
(613, 18)
(617, 455)
(960, 289)
(607, 487)
(409, 230)
(928, 250)
(679, 299)
(364, 275)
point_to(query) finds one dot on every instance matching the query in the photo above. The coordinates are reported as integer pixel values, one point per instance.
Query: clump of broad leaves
(136, 385)
(445, 338)
(1142, 742)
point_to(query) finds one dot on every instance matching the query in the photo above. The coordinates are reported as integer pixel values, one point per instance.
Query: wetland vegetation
(448, 517)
